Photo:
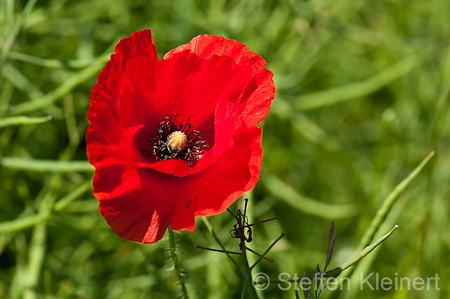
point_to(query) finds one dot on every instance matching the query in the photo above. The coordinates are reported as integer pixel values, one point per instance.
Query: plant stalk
(176, 264)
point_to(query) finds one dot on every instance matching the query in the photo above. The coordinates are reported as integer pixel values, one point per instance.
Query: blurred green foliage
(362, 97)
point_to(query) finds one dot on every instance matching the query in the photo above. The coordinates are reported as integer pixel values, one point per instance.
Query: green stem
(20, 223)
(335, 272)
(359, 89)
(46, 165)
(213, 233)
(36, 257)
(248, 281)
(50, 63)
(15, 225)
(390, 200)
(338, 270)
(7, 45)
(22, 120)
(176, 263)
(62, 89)
(386, 208)
(75, 194)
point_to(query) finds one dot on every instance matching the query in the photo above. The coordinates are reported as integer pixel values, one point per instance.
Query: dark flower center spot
(180, 141)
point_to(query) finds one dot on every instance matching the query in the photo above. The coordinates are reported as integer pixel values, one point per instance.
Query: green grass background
(362, 97)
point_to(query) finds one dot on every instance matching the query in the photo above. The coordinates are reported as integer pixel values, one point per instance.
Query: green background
(362, 97)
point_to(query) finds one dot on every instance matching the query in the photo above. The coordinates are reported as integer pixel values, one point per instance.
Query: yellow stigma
(177, 141)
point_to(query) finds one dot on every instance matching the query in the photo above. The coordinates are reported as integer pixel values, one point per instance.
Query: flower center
(177, 141)
(180, 141)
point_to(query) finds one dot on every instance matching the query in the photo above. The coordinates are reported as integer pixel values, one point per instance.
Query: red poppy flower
(175, 138)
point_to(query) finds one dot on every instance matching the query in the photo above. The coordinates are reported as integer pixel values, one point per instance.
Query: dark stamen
(195, 147)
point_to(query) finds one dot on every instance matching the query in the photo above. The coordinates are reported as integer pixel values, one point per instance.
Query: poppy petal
(211, 191)
(139, 44)
(104, 126)
(184, 85)
(259, 94)
(141, 214)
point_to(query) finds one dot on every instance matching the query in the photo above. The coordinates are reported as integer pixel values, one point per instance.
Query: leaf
(331, 243)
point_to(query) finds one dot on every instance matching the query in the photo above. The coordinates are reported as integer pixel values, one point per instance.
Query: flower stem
(176, 264)
(248, 286)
